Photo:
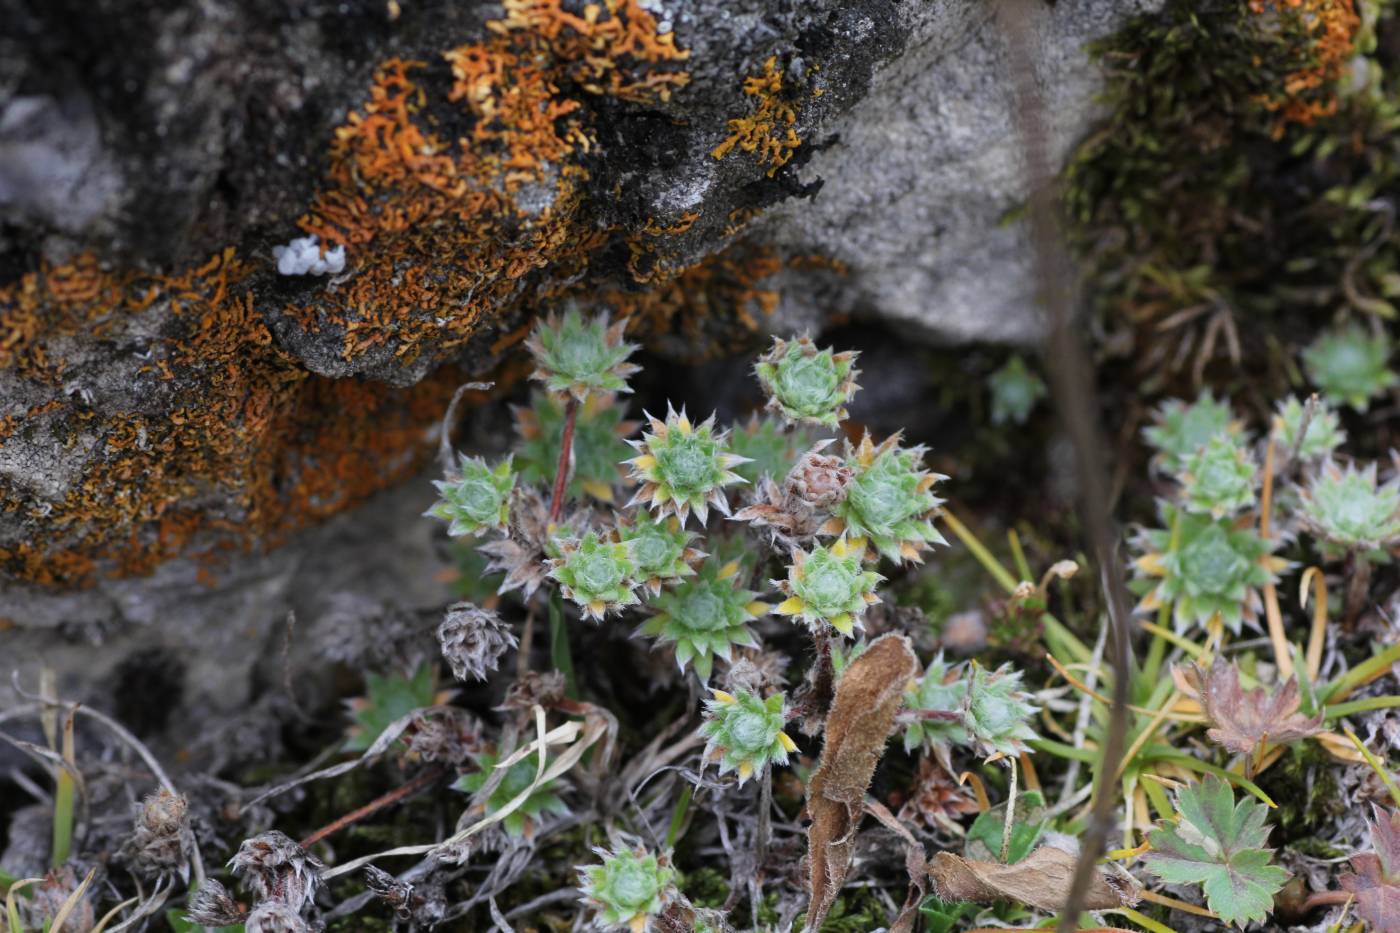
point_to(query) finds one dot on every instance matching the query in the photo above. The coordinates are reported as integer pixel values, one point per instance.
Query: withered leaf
(1376, 878)
(1241, 719)
(915, 863)
(868, 697)
(1040, 880)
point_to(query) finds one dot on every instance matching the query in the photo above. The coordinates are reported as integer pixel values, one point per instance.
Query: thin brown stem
(1325, 899)
(401, 792)
(566, 450)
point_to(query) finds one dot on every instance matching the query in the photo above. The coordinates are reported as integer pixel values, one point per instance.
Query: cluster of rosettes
(1349, 366)
(581, 357)
(477, 499)
(705, 615)
(744, 732)
(829, 585)
(968, 706)
(1203, 566)
(1349, 511)
(683, 467)
(631, 886)
(889, 500)
(804, 384)
(595, 572)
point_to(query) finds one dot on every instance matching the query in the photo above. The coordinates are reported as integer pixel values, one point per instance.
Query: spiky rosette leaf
(889, 500)
(1219, 478)
(745, 732)
(631, 886)
(580, 357)
(1324, 430)
(1349, 366)
(804, 384)
(683, 467)
(595, 572)
(518, 778)
(661, 549)
(1349, 510)
(829, 585)
(768, 449)
(998, 712)
(705, 615)
(1015, 391)
(600, 443)
(1182, 428)
(937, 700)
(476, 499)
(1201, 566)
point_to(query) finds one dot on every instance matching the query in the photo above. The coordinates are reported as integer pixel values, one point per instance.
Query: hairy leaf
(1376, 875)
(1241, 719)
(868, 697)
(1219, 845)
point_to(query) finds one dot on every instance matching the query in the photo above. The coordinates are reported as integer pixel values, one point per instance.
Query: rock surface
(172, 410)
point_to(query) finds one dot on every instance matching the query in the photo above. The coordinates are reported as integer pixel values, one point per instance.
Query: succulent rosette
(829, 585)
(889, 500)
(596, 572)
(1201, 566)
(805, 384)
(1181, 428)
(1219, 478)
(683, 467)
(937, 699)
(970, 706)
(705, 615)
(1015, 392)
(629, 888)
(581, 357)
(599, 443)
(1349, 510)
(744, 732)
(1348, 365)
(476, 499)
(661, 549)
(522, 821)
(1323, 434)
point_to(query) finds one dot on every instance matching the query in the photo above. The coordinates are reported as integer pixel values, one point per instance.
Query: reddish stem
(1325, 899)
(566, 449)
(378, 803)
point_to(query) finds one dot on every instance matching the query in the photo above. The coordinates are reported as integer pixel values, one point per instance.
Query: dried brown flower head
(274, 867)
(160, 841)
(275, 916)
(543, 688)
(818, 481)
(213, 906)
(473, 640)
(935, 799)
(444, 733)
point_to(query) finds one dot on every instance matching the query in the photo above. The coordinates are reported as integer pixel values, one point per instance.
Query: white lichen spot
(303, 256)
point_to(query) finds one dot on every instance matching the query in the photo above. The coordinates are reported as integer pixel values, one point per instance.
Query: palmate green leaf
(1219, 845)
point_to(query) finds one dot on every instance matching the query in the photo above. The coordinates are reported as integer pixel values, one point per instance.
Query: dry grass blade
(71, 904)
(868, 697)
(1071, 374)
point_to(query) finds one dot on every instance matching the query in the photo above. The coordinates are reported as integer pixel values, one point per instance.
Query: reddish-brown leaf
(868, 697)
(1240, 719)
(1376, 878)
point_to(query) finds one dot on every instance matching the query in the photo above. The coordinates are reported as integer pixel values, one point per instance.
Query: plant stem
(559, 654)
(379, 803)
(566, 451)
(673, 832)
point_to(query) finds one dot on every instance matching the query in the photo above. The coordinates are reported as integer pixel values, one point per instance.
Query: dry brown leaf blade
(915, 862)
(1375, 877)
(1040, 880)
(1240, 719)
(868, 697)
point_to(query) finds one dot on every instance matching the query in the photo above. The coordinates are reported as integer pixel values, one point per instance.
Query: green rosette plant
(1349, 511)
(630, 887)
(807, 385)
(1348, 365)
(522, 821)
(1219, 478)
(477, 499)
(661, 549)
(580, 357)
(705, 615)
(889, 500)
(969, 706)
(1323, 436)
(599, 443)
(1201, 565)
(595, 572)
(744, 732)
(829, 585)
(998, 711)
(1015, 392)
(937, 699)
(683, 467)
(1181, 428)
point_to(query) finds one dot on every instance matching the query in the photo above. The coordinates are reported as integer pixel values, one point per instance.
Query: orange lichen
(1308, 92)
(769, 130)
